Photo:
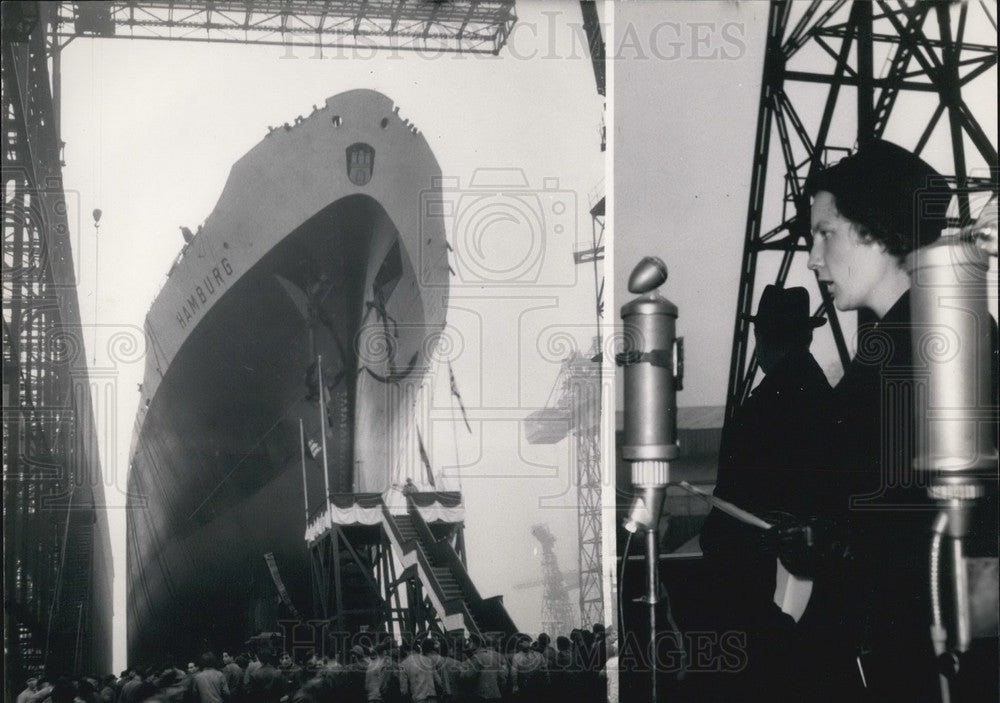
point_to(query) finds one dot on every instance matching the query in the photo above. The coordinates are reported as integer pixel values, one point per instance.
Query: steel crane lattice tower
(932, 63)
(576, 413)
(557, 616)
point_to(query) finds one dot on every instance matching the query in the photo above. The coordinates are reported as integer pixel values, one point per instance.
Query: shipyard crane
(557, 616)
(57, 588)
(575, 411)
(873, 60)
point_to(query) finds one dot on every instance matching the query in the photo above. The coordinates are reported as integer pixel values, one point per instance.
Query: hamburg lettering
(206, 287)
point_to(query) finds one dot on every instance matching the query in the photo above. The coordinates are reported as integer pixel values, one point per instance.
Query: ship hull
(339, 266)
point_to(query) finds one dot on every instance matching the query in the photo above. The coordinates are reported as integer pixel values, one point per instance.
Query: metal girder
(348, 567)
(589, 529)
(473, 26)
(833, 44)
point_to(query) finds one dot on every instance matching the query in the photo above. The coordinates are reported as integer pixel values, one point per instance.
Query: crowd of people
(433, 669)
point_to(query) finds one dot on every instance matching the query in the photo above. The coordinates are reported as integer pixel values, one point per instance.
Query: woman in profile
(867, 627)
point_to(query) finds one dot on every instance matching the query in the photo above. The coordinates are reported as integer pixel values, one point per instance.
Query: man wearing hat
(770, 461)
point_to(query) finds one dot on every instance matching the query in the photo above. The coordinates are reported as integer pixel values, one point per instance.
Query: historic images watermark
(553, 39)
(692, 651)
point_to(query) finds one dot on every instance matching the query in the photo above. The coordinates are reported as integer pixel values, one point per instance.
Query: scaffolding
(57, 568)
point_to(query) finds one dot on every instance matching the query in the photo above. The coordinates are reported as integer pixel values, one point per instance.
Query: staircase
(444, 577)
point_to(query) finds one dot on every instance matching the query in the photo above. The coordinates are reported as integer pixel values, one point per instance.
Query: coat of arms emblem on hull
(360, 163)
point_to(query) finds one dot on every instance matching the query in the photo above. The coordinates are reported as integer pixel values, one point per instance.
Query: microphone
(653, 373)
(951, 337)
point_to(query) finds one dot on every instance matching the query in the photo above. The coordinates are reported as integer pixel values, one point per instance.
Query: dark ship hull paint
(302, 258)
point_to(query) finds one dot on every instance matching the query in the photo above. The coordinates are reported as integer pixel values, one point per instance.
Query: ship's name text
(206, 288)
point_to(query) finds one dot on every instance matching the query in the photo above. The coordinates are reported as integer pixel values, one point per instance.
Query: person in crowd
(418, 677)
(30, 689)
(332, 673)
(547, 650)
(528, 672)
(354, 674)
(291, 674)
(148, 692)
(610, 672)
(486, 669)
(600, 644)
(233, 673)
(208, 684)
(564, 653)
(87, 689)
(254, 664)
(174, 686)
(589, 669)
(265, 683)
(63, 691)
(109, 693)
(450, 671)
(130, 686)
(123, 678)
(378, 671)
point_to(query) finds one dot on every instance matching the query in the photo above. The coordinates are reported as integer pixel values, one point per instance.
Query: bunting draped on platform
(366, 509)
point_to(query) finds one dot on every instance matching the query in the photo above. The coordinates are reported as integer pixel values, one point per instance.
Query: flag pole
(302, 451)
(322, 426)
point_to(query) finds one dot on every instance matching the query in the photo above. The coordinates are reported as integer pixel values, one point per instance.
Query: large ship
(325, 257)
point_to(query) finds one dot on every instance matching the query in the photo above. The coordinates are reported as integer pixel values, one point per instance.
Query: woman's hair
(891, 195)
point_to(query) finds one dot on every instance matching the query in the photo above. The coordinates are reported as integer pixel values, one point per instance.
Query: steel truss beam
(351, 578)
(924, 50)
(472, 26)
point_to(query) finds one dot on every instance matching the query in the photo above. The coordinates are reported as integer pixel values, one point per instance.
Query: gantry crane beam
(471, 26)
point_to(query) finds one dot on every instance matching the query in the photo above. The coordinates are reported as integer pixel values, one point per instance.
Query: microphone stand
(949, 299)
(653, 373)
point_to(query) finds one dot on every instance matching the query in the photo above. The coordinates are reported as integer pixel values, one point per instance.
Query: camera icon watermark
(503, 231)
